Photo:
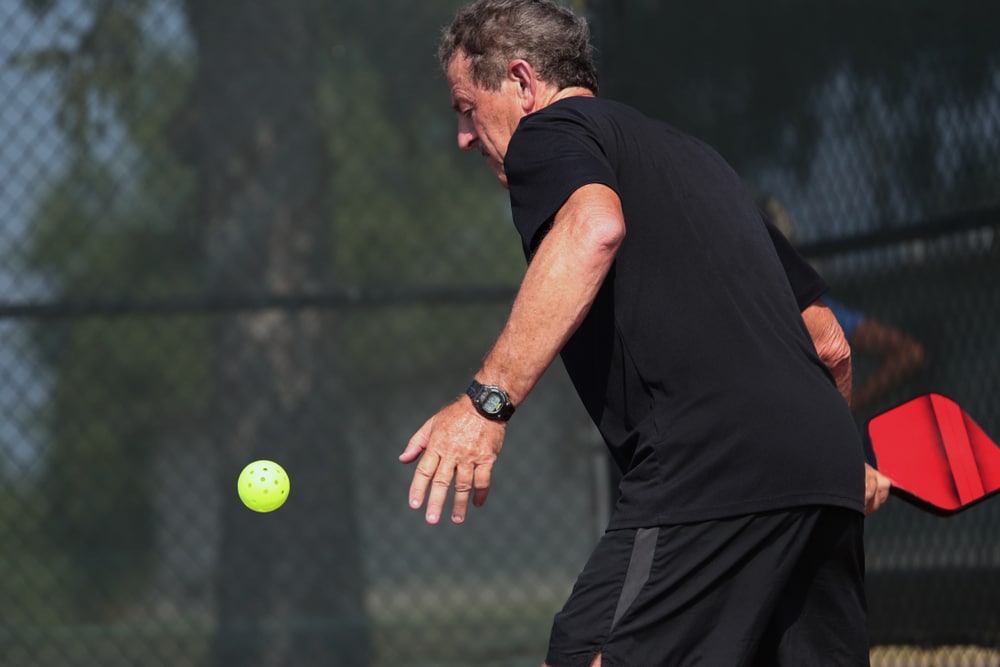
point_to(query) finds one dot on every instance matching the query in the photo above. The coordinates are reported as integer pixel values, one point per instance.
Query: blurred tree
(262, 158)
(115, 394)
(289, 591)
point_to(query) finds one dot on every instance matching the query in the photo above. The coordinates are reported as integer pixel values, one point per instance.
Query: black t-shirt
(693, 361)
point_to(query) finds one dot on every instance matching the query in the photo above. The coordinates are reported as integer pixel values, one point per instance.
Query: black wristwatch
(491, 402)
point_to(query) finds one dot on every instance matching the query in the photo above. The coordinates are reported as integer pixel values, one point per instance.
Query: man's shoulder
(602, 114)
(581, 115)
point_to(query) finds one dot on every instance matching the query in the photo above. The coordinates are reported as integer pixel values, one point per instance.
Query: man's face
(486, 118)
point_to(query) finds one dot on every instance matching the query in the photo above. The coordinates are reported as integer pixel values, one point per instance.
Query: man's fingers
(417, 444)
(439, 490)
(456, 448)
(422, 477)
(481, 484)
(433, 479)
(883, 489)
(463, 488)
(877, 487)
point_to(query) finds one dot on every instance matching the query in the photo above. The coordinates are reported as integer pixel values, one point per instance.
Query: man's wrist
(490, 401)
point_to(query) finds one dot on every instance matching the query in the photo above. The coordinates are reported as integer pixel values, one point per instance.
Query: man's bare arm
(558, 289)
(458, 446)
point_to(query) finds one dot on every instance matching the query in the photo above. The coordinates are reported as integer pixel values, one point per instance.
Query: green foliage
(111, 228)
(120, 224)
(101, 65)
(32, 591)
(123, 388)
(409, 208)
(411, 211)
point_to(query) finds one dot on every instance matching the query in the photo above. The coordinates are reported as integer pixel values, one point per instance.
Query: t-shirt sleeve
(806, 283)
(549, 157)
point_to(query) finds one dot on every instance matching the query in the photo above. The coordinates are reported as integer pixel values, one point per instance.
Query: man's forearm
(558, 289)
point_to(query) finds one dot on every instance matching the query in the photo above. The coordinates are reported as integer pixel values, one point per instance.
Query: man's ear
(521, 73)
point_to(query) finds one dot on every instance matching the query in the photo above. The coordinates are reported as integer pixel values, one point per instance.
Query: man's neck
(563, 93)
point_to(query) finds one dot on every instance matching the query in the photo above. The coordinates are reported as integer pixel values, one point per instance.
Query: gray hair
(491, 33)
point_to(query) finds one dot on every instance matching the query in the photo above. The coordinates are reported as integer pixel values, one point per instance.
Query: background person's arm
(899, 356)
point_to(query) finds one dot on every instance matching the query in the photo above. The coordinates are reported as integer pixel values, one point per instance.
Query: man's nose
(467, 136)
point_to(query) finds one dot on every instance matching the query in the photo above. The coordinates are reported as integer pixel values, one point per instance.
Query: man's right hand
(456, 446)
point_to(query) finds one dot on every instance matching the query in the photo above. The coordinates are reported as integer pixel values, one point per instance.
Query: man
(737, 536)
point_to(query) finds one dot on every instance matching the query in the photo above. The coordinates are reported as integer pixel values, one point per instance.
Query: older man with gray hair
(698, 342)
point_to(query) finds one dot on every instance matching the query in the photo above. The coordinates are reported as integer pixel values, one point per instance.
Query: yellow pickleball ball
(263, 486)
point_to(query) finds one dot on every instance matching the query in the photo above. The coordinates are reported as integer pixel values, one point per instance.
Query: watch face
(493, 403)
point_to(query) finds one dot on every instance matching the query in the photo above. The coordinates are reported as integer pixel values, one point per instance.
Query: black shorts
(770, 589)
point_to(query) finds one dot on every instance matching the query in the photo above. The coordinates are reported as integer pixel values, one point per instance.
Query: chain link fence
(234, 231)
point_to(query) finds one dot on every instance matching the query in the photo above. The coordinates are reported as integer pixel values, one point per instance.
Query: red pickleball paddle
(937, 457)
